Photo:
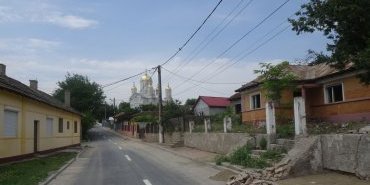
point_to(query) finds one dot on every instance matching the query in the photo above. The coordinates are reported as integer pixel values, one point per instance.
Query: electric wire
(236, 42)
(192, 36)
(178, 51)
(199, 49)
(250, 52)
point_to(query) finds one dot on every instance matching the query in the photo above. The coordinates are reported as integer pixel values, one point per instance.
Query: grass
(285, 131)
(33, 171)
(243, 156)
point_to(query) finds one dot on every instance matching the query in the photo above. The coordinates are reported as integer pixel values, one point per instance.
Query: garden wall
(222, 143)
(347, 153)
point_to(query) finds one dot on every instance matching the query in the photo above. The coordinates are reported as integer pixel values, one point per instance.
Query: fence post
(229, 124)
(207, 124)
(225, 122)
(191, 126)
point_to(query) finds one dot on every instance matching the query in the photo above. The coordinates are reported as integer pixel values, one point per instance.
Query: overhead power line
(205, 42)
(250, 52)
(192, 35)
(198, 81)
(236, 42)
(178, 51)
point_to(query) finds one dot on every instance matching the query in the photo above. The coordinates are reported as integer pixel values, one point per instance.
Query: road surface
(112, 160)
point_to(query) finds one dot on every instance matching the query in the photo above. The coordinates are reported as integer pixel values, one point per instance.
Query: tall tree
(86, 97)
(346, 23)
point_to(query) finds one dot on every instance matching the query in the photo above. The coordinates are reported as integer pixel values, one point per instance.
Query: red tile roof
(215, 101)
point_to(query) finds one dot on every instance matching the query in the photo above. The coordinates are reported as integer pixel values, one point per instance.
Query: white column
(270, 118)
(225, 125)
(205, 125)
(191, 126)
(300, 116)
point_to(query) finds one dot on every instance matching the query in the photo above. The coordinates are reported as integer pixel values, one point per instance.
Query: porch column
(300, 116)
(270, 122)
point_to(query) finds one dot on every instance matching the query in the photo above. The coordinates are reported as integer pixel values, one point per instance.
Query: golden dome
(145, 77)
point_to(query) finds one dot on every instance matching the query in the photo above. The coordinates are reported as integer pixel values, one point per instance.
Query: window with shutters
(10, 123)
(60, 125)
(75, 127)
(49, 126)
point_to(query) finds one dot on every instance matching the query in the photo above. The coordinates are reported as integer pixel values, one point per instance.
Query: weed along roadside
(33, 171)
(247, 157)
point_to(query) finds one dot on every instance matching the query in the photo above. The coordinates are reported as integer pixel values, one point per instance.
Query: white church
(146, 94)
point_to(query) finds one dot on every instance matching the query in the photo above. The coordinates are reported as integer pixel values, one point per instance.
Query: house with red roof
(208, 105)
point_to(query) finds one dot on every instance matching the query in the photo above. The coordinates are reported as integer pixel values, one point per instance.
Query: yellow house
(32, 121)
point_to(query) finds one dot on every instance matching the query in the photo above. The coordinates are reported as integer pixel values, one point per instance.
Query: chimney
(33, 84)
(67, 98)
(2, 69)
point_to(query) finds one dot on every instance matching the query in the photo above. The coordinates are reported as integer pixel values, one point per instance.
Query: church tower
(168, 94)
(133, 89)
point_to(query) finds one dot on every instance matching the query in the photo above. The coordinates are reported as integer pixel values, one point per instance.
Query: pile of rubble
(268, 176)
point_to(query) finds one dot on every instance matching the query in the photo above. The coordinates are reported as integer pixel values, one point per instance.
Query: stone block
(340, 151)
(363, 156)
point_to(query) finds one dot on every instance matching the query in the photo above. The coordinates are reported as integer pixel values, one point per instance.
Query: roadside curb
(218, 167)
(54, 175)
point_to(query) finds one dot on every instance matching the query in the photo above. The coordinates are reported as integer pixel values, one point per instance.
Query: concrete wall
(29, 111)
(347, 152)
(217, 142)
(172, 137)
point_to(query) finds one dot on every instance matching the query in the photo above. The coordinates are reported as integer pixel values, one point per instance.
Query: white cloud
(43, 13)
(26, 46)
(71, 21)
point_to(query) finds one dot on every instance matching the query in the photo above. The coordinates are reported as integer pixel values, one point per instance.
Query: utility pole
(160, 130)
(114, 106)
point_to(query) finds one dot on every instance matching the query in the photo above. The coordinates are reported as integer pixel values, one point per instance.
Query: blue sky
(110, 40)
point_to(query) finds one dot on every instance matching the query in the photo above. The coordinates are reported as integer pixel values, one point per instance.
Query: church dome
(146, 77)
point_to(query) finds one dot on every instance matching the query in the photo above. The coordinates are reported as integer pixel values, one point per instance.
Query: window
(75, 127)
(255, 101)
(49, 126)
(67, 125)
(10, 123)
(334, 93)
(60, 126)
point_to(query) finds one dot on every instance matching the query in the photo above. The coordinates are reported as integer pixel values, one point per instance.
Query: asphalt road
(112, 160)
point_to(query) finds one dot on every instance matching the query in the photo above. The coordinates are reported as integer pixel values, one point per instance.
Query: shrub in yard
(243, 157)
(263, 143)
(273, 155)
(285, 130)
(219, 159)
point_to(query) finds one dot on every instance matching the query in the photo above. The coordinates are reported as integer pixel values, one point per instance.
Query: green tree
(86, 97)
(125, 107)
(346, 23)
(275, 78)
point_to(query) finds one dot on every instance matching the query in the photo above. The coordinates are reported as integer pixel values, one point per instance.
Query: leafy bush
(243, 157)
(263, 143)
(221, 158)
(144, 118)
(285, 130)
(274, 155)
(87, 122)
